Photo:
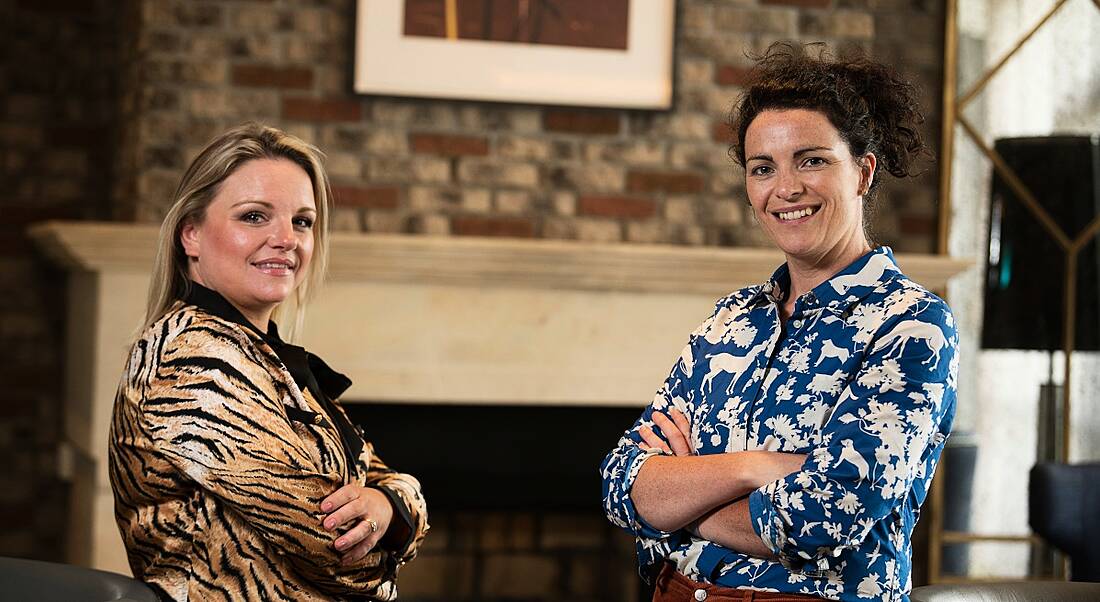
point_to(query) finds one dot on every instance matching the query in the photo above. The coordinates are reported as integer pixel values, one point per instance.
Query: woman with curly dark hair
(792, 445)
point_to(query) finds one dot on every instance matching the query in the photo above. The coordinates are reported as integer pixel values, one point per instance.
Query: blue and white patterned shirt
(861, 378)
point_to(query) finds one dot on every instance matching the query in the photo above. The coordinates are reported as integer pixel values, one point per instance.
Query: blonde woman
(237, 475)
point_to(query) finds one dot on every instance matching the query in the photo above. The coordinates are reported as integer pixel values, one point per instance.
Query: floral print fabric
(862, 379)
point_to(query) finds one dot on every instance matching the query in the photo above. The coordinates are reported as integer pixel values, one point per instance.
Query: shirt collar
(308, 370)
(216, 305)
(838, 293)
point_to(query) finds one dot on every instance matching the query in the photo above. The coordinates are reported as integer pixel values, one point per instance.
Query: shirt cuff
(641, 527)
(401, 511)
(766, 521)
(773, 528)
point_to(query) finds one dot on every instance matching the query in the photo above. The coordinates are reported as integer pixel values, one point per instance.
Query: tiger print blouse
(219, 461)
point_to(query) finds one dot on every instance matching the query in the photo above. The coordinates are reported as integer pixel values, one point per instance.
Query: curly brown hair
(872, 107)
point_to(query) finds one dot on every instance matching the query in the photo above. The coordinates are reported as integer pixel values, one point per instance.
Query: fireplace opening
(513, 499)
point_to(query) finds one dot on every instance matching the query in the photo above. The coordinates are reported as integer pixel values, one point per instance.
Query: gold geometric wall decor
(953, 105)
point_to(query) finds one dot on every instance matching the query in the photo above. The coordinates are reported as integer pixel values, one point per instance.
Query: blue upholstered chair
(1064, 509)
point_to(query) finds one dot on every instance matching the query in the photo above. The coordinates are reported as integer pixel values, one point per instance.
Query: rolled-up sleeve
(619, 470)
(621, 467)
(883, 438)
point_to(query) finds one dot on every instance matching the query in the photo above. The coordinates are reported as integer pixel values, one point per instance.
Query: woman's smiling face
(255, 241)
(805, 188)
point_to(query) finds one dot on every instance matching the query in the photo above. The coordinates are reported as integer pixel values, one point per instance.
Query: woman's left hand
(676, 428)
(366, 510)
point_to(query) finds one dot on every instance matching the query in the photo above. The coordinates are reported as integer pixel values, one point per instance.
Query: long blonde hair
(198, 187)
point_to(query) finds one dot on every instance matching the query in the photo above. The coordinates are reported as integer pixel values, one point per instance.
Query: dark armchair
(49, 582)
(1064, 509)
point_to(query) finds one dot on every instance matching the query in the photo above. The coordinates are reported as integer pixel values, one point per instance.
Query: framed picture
(605, 53)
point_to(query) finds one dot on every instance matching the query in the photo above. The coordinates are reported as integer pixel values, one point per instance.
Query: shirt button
(700, 595)
(796, 323)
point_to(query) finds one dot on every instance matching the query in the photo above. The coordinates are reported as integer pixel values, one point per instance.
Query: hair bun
(874, 109)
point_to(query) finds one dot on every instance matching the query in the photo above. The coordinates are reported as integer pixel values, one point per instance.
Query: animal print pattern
(219, 463)
(862, 378)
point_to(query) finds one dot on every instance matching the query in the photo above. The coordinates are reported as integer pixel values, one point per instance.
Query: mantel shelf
(485, 262)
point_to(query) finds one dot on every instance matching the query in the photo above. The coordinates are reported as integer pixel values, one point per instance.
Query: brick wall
(909, 35)
(468, 168)
(55, 162)
(106, 101)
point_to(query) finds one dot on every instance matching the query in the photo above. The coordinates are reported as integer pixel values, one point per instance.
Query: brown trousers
(674, 587)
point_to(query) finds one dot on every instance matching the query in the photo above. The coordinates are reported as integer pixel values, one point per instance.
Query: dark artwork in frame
(574, 23)
(608, 54)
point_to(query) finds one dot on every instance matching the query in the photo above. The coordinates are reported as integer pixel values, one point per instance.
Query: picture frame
(446, 49)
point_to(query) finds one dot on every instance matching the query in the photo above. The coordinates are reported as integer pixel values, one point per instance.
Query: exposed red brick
(731, 75)
(322, 109)
(910, 225)
(721, 132)
(616, 206)
(70, 6)
(16, 513)
(373, 197)
(664, 181)
(34, 372)
(441, 144)
(77, 135)
(267, 76)
(17, 407)
(798, 3)
(17, 219)
(515, 227)
(580, 121)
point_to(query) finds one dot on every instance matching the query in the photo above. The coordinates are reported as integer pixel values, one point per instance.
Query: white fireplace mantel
(485, 262)
(421, 319)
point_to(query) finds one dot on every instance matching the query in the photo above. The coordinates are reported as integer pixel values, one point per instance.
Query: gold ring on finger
(373, 525)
